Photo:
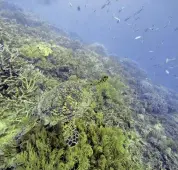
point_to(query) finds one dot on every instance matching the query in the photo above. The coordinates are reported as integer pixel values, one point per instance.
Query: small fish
(106, 4)
(103, 6)
(176, 29)
(167, 24)
(176, 76)
(152, 28)
(156, 29)
(127, 18)
(78, 8)
(135, 30)
(146, 30)
(120, 10)
(136, 13)
(151, 51)
(70, 4)
(129, 24)
(167, 72)
(116, 18)
(151, 58)
(170, 59)
(138, 37)
(172, 67)
(137, 18)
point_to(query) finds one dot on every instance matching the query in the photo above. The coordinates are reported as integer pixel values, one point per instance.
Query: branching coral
(36, 50)
(98, 147)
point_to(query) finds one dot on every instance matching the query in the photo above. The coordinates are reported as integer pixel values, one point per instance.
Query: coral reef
(36, 50)
(67, 105)
(98, 48)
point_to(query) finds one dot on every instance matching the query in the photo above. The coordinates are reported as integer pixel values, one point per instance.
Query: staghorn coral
(104, 151)
(35, 50)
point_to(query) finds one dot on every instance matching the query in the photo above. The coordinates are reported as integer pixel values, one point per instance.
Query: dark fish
(135, 30)
(78, 8)
(151, 58)
(103, 6)
(106, 4)
(168, 23)
(146, 29)
(136, 13)
(127, 18)
(152, 28)
(176, 29)
(137, 18)
(176, 76)
(120, 10)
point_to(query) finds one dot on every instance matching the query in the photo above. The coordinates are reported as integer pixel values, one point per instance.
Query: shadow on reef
(67, 105)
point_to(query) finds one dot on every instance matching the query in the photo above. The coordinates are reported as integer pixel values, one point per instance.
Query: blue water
(94, 24)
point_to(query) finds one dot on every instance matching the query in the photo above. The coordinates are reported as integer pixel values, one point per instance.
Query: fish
(103, 6)
(129, 24)
(167, 72)
(156, 29)
(153, 28)
(176, 76)
(146, 30)
(137, 18)
(127, 18)
(138, 37)
(176, 29)
(167, 24)
(78, 8)
(106, 4)
(170, 59)
(151, 58)
(172, 67)
(116, 18)
(135, 30)
(120, 10)
(136, 13)
(151, 51)
(70, 4)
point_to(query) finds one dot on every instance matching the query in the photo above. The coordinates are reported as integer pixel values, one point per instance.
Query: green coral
(60, 108)
(36, 50)
(98, 148)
